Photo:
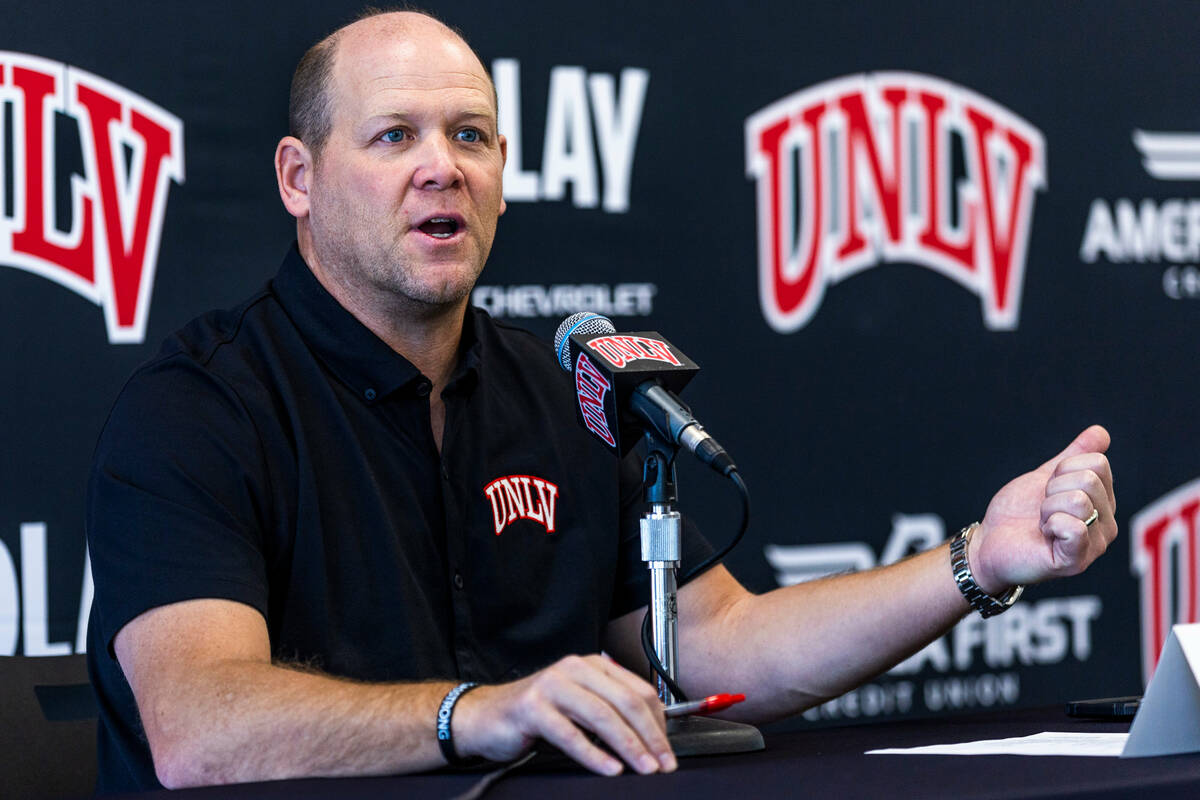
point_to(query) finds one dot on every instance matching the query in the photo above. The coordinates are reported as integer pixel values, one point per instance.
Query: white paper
(1047, 743)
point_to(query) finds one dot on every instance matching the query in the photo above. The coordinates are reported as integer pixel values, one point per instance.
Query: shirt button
(458, 580)
(445, 473)
(423, 388)
(369, 394)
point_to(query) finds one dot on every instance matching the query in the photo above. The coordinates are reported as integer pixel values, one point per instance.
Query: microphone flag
(608, 366)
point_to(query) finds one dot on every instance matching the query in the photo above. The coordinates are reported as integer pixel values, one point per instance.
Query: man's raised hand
(1036, 527)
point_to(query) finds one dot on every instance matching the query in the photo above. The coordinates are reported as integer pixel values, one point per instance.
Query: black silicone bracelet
(444, 715)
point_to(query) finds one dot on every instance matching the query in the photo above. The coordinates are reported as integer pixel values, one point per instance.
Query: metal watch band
(981, 601)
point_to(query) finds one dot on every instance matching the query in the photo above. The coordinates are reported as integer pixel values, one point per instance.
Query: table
(821, 763)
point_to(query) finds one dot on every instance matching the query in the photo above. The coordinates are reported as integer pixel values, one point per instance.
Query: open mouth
(439, 227)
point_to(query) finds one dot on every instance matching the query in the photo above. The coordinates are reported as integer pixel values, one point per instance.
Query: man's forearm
(241, 721)
(799, 645)
(216, 710)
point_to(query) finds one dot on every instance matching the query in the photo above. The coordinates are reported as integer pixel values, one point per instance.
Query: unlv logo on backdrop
(131, 150)
(860, 170)
(516, 497)
(1166, 558)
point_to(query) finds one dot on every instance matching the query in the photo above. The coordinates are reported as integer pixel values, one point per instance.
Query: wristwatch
(981, 601)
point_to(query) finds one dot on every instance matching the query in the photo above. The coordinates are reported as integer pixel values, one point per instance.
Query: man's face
(405, 194)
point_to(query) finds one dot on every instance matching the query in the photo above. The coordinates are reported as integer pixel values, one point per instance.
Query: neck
(430, 343)
(428, 336)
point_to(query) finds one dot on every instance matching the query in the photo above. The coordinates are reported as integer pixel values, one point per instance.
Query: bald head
(310, 107)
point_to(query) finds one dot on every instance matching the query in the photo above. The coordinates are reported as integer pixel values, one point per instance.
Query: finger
(1096, 481)
(590, 711)
(633, 701)
(1090, 462)
(561, 732)
(1092, 440)
(1076, 503)
(1085, 481)
(1078, 544)
(1071, 542)
(651, 713)
(637, 686)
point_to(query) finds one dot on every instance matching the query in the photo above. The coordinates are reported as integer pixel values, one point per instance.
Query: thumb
(1092, 440)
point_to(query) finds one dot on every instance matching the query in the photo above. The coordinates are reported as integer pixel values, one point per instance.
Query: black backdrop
(885, 421)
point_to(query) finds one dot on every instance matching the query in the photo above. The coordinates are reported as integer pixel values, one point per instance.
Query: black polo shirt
(281, 455)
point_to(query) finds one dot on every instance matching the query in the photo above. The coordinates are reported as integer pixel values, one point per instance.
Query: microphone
(613, 383)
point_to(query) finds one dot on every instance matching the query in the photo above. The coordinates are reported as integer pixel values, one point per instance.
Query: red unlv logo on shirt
(516, 497)
(859, 170)
(132, 150)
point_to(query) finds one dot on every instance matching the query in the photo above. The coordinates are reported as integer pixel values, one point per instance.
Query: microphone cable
(647, 643)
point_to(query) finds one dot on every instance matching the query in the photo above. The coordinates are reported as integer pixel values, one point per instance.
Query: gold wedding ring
(1092, 518)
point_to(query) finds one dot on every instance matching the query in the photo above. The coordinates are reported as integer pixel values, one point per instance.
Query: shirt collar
(470, 362)
(358, 357)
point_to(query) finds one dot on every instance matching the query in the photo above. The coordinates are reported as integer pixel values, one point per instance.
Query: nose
(437, 167)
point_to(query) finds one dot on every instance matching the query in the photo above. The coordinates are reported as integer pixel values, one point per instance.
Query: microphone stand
(661, 545)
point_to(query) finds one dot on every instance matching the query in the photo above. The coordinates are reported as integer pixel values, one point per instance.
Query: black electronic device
(1118, 708)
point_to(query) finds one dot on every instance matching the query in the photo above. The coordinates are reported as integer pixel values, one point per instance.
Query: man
(271, 603)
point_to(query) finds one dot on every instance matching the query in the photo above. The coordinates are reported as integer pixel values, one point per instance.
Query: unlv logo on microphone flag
(591, 390)
(859, 170)
(620, 349)
(131, 149)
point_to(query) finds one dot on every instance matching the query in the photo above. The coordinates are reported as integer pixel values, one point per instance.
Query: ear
(293, 174)
(503, 161)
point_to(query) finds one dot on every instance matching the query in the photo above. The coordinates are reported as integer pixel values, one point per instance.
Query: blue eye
(469, 135)
(393, 136)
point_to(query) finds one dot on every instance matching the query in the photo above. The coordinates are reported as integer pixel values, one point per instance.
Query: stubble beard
(378, 274)
(409, 285)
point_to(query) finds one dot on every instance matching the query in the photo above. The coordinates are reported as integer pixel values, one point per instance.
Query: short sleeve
(175, 497)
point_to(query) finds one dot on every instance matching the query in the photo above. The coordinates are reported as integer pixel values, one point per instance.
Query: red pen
(709, 705)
